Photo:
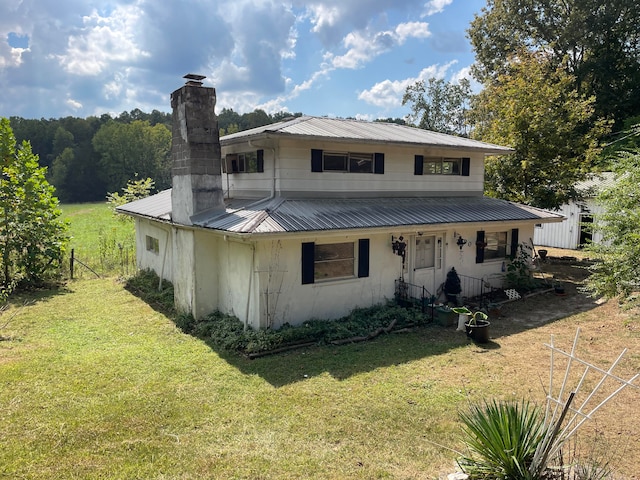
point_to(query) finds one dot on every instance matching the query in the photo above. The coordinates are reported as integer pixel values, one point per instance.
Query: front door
(425, 261)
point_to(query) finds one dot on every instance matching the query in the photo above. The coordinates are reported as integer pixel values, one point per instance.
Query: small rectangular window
(334, 260)
(441, 166)
(246, 162)
(153, 245)
(335, 162)
(350, 162)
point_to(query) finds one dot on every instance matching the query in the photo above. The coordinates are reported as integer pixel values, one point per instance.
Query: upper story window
(350, 162)
(441, 166)
(245, 162)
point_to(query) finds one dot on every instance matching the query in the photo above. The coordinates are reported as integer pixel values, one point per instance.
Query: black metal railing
(481, 290)
(416, 296)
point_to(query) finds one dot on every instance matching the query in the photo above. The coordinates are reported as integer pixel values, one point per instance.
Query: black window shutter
(465, 166)
(378, 163)
(234, 166)
(418, 165)
(480, 246)
(514, 242)
(363, 257)
(260, 155)
(308, 259)
(316, 160)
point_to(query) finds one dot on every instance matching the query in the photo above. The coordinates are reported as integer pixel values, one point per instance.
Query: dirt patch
(520, 329)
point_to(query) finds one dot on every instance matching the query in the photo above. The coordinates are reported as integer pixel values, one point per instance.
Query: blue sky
(320, 57)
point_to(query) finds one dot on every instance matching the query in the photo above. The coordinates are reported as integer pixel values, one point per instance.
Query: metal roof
(360, 131)
(307, 215)
(596, 182)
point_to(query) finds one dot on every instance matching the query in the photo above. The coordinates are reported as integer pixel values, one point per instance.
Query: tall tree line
(87, 158)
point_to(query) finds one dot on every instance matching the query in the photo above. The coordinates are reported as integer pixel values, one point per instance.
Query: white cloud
(388, 93)
(364, 46)
(435, 6)
(102, 42)
(73, 104)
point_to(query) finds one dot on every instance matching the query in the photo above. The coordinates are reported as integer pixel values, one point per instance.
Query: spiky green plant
(501, 438)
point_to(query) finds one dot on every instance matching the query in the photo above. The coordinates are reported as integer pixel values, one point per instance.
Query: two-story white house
(312, 217)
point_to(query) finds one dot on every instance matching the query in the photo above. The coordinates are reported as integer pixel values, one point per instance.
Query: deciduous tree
(596, 42)
(32, 234)
(439, 106)
(537, 111)
(616, 274)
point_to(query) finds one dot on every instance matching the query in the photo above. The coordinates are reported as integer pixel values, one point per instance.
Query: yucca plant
(501, 439)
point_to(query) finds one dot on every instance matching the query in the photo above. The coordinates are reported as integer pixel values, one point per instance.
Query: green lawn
(100, 240)
(96, 384)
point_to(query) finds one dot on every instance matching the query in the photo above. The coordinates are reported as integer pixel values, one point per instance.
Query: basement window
(153, 244)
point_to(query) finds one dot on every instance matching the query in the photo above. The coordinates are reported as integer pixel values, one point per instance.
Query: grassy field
(103, 242)
(94, 383)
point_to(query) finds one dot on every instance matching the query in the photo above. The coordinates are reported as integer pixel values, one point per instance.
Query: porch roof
(281, 215)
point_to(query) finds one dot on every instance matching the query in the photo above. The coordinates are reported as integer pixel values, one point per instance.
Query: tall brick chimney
(195, 152)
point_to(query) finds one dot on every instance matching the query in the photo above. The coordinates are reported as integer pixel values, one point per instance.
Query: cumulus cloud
(388, 94)
(364, 46)
(435, 6)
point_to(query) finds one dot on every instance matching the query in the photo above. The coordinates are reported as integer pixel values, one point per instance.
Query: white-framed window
(153, 244)
(323, 262)
(441, 166)
(347, 162)
(334, 260)
(496, 245)
(244, 162)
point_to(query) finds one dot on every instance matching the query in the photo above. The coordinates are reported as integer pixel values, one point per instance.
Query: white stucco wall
(259, 279)
(161, 261)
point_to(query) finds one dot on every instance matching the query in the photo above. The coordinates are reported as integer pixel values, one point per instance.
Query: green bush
(228, 333)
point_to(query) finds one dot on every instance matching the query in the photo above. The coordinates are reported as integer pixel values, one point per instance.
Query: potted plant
(477, 324)
(452, 286)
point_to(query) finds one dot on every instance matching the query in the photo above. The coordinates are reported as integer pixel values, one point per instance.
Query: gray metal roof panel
(303, 215)
(357, 130)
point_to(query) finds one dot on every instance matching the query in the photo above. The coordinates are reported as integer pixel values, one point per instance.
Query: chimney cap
(194, 79)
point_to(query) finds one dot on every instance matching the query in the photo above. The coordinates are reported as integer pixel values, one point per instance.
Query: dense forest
(87, 158)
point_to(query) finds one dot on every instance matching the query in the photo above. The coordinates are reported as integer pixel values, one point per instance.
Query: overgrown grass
(101, 241)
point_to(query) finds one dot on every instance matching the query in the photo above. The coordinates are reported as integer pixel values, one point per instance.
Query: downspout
(273, 172)
(164, 258)
(253, 260)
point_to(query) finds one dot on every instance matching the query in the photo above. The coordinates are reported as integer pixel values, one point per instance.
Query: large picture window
(334, 261)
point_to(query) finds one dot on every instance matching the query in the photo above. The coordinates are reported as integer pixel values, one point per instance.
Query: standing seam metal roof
(357, 130)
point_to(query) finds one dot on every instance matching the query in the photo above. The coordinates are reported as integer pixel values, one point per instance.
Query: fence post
(71, 262)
